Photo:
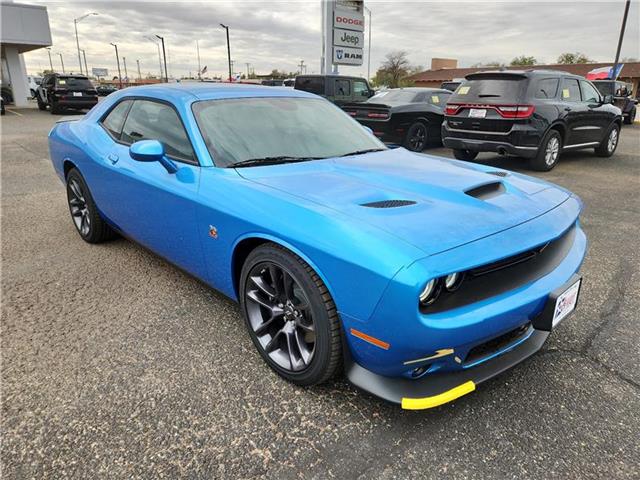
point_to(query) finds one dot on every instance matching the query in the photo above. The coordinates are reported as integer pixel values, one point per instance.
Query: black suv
(59, 91)
(339, 89)
(622, 98)
(535, 114)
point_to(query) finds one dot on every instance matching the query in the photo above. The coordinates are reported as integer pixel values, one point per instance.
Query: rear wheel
(55, 109)
(549, 152)
(466, 155)
(290, 316)
(416, 139)
(41, 104)
(608, 146)
(84, 213)
(629, 119)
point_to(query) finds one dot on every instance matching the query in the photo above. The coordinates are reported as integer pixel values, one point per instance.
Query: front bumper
(437, 389)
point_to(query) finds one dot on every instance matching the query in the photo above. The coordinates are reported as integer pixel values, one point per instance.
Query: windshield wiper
(361, 152)
(254, 162)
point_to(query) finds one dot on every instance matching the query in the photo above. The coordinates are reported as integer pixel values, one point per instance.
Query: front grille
(496, 344)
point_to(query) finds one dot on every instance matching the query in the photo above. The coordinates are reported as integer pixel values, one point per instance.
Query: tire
(83, 209)
(548, 153)
(466, 155)
(608, 146)
(416, 138)
(55, 109)
(41, 105)
(33, 93)
(629, 119)
(306, 323)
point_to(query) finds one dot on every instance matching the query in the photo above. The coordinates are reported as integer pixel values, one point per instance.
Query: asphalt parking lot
(117, 365)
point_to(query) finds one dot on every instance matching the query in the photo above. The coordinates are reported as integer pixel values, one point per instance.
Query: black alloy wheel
(466, 155)
(84, 213)
(290, 316)
(416, 139)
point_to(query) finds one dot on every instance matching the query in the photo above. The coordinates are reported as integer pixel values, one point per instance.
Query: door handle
(113, 158)
(567, 109)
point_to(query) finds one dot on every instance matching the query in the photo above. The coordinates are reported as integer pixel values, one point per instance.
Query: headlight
(430, 292)
(453, 281)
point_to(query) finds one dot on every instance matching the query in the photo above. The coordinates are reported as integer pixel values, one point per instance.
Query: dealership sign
(99, 72)
(347, 38)
(347, 56)
(350, 20)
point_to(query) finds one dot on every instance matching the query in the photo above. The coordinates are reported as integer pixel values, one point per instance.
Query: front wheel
(290, 316)
(629, 119)
(466, 155)
(548, 153)
(84, 213)
(41, 105)
(416, 139)
(608, 146)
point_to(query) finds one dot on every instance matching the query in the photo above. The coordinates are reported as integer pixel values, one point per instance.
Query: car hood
(455, 202)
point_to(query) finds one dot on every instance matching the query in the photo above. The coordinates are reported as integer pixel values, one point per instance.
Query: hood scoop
(388, 204)
(486, 191)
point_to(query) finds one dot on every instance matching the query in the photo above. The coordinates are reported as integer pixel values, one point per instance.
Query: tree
(393, 70)
(568, 58)
(523, 60)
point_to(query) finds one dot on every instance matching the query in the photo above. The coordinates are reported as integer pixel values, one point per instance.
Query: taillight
(377, 115)
(452, 109)
(515, 111)
(353, 114)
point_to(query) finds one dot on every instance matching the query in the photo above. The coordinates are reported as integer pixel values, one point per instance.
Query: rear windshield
(310, 84)
(396, 96)
(74, 82)
(490, 89)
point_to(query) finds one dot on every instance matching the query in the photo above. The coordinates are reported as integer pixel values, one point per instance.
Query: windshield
(394, 96)
(74, 82)
(242, 129)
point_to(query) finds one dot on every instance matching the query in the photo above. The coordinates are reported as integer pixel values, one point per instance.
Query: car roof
(419, 89)
(525, 73)
(211, 91)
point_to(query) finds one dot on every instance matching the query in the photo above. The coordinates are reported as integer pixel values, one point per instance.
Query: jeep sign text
(347, 38)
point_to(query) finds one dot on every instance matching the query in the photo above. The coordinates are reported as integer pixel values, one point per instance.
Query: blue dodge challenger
(418, 276)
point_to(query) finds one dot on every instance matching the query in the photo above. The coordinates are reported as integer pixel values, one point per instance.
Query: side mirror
(371, 93)
(608, 99)
(151, 151)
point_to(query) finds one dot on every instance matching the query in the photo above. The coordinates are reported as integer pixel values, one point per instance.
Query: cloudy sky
(278, 34)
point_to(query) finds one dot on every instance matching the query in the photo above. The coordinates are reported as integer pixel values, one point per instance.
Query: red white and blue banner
(604, 73)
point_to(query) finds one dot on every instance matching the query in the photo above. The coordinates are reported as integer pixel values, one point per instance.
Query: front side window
(570, 90)
(589, 93)
(243, 129)
(149, 120)
(360, 88)
(115, 120)
(547, 88)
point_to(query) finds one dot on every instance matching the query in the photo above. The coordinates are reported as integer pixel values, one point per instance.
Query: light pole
(369, 47)
(139, 74)
(198, 52)
(118, 61)
(151, 39)
(75, 25)
(126, 74)
(86, 69)
(50, 62)
(62, 63)
(228, 48)
(624, 24)
(164, 55)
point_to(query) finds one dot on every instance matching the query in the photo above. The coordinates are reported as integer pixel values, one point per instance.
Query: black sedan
(104, 90)
(410, 117)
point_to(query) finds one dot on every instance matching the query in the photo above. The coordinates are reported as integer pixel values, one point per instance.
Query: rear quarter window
(490, 89)
(310, 84)
(546, 88)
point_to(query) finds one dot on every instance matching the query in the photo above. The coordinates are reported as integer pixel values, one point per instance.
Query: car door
(342, 90)
(154, 207)
(574, 112)
(596, 116)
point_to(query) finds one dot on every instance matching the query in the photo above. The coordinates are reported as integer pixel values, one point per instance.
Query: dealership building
(445, 70)
(24, 28)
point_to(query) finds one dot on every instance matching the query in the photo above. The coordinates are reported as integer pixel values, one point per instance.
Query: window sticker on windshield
(565, 93)
(62, 82)
(463, 90)
(435, 99)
